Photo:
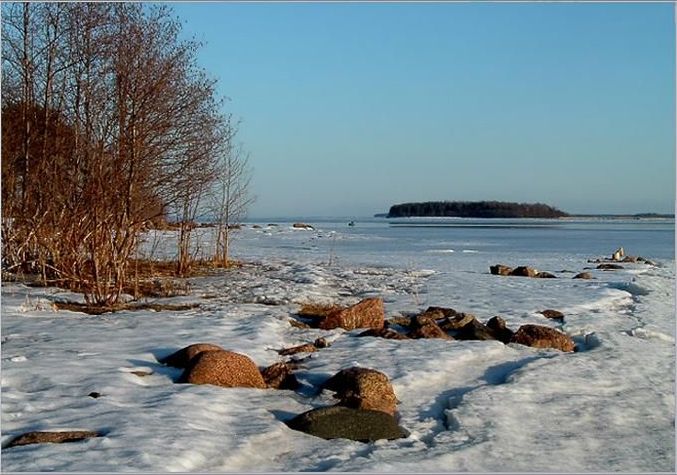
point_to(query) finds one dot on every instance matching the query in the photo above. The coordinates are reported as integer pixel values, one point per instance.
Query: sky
(349, 108)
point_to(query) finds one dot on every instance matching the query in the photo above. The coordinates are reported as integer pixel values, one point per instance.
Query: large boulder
(539, 336)
(59, 437)
(279, 376)
(425, 327)
(369, 313)
(363, 388)
(223, 368)
(180, 359)
(524, 271)
(339, 422)
(500, 269)
(500, 329)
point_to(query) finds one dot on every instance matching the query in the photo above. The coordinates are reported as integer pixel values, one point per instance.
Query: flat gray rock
(338, 422)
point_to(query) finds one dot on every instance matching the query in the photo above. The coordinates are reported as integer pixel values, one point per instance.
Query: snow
(476, 406)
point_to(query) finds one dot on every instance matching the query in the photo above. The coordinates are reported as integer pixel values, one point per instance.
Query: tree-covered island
(475, 209)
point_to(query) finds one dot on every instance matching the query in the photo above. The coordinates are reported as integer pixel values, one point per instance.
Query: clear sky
(348, 108)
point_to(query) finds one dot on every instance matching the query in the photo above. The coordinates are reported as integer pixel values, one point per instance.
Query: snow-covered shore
(467, 405)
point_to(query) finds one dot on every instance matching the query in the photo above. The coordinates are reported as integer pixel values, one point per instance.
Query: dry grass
(100, 309)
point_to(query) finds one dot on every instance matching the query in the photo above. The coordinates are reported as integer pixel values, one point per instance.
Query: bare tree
(108, 122)
(230, 196)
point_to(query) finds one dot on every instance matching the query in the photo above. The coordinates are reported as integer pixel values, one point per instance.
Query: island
(475, 209)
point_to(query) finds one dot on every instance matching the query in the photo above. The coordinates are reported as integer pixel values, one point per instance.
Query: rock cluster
(60, 437)
(365, 412)
(448, 324)
(522, 271)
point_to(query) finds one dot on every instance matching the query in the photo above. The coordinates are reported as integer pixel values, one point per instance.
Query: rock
(256, 226)
(618, 254)
(552, 314)
(457, 322)
(279, 376)
(384, 333)
(338, 422)
(539, 336)
(426, 327)
(524, 271)
(500, 329)
(297, 324)
(40, 437)
(583, 275)
(545, 275)
(442, 312)
(646, 261)
(181, 358)
(610, 266)
(302, 226)
(321, 343)
(94, 395)
(363, 388)
(401, 321)
(500, 269)
(141, 374)
(369, 313)
(305, 348)
(223, 368)
(632, 259)
(474, 330)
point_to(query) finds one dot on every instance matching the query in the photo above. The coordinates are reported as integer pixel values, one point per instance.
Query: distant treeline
(475, 209)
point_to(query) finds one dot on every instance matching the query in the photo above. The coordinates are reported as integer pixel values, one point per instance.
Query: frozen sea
(469, 406)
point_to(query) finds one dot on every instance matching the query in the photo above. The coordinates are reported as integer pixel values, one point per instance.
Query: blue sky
(348, 108)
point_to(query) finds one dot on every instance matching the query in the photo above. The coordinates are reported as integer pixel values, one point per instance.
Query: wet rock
(94, 395)
(369, 313)
(279, 376)
(500, 329)
(646, 261)
(610, 266)
(363, 388)
(583, 275)
(42, 437)
(632, 259)
(181, 358)
(539, 336)
(223, 368)
(500, 269)
(321, 343)
(338, 422)
(552, 314)
(141, 374)
(426, 327)
(386, 333)
(545, 275)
